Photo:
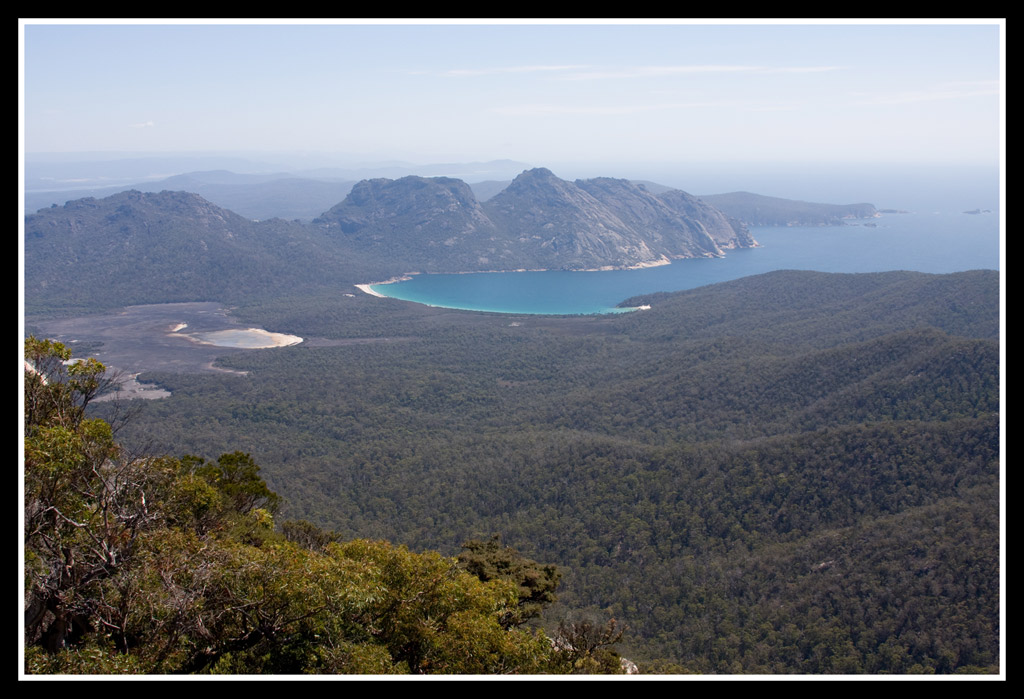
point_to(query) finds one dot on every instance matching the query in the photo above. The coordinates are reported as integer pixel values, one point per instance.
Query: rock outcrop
(555, 221)
(675, 223)
(432, 224)
(538, 222)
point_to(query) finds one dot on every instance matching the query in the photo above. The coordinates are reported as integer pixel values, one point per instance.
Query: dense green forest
(789, 473)
(759, 210)
(137, 564)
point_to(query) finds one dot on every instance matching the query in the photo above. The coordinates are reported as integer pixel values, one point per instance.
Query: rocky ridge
(140, 247)
(538, 222)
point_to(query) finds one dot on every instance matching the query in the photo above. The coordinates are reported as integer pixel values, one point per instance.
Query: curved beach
(368, 287)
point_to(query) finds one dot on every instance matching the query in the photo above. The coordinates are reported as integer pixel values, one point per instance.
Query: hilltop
(539, 221)
(140, 247)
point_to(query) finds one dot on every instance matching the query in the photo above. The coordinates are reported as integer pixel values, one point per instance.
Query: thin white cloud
(475, 72)
(143, 125)
(573, 109)
(661, 71)
(775, 108)
(521, 110)
(947, 91)
(584, 72)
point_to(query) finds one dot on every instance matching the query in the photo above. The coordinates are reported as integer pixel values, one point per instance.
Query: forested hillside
(789, 473)
(759, 210)
(137, 248)
(163, 565)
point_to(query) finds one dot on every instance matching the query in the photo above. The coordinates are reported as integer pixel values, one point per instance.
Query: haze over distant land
(824, 112)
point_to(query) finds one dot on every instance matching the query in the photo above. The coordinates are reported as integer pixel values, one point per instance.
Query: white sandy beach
(367, 289)
(243, 338)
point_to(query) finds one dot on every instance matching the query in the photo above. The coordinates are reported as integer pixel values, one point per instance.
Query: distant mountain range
(136, 247)
(306, 194)
(255, 189)
(538, 222)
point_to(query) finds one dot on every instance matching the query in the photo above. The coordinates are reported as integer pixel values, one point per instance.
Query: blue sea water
(935, 242)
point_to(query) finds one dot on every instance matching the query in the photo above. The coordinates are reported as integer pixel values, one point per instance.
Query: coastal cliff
(538, 222)
(139, 247)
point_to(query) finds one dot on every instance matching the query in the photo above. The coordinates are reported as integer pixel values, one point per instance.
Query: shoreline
(367, 288)
(270, 340)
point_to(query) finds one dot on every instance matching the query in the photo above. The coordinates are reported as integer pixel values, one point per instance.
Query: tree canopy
(174, 565)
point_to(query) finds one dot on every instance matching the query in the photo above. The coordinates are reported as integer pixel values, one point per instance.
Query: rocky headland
(539, 221)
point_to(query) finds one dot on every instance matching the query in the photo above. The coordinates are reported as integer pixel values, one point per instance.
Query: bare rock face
(562, 225)
(538, 222)
(611, 222)
(727, 232)
(669, 229)
(430, 224)
(428, 208)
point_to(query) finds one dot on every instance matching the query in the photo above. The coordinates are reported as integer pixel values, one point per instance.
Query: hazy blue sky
(422, 93)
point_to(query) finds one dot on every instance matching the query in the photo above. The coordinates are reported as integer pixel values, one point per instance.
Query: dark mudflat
(142, 338)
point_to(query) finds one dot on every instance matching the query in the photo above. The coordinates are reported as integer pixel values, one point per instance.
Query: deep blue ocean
(935, 242)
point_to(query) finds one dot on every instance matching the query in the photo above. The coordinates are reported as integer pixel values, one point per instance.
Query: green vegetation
(135, 248)
(790, 473)
(139, 248)
(137, 564)
(489, 560)
(759, 210)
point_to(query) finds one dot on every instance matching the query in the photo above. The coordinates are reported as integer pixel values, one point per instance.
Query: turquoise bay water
(921, 242)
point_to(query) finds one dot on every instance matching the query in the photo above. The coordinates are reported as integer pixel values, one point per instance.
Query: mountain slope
(538, 222)
(792, 472)
(431, 224)
(759, 210)
(552, 219)
(136, 247)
